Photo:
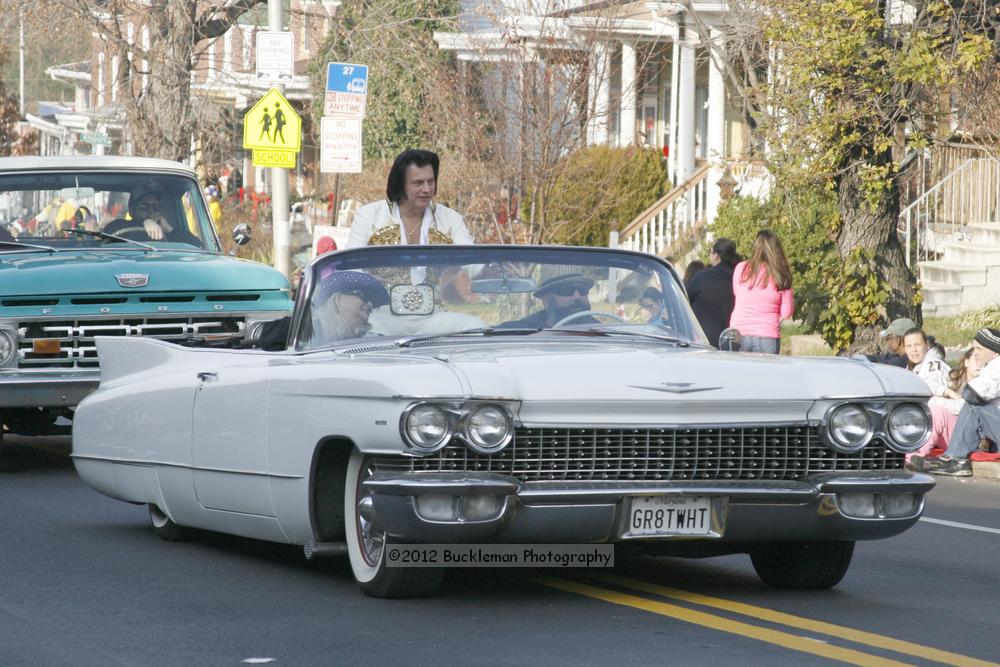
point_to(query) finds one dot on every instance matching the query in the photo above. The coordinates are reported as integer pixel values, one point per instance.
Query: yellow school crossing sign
(273, 130)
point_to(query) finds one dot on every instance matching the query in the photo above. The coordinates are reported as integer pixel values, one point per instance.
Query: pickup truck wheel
(803, 565)
(367, 543)
(166, 528)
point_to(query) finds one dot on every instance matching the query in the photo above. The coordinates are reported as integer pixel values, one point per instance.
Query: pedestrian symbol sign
(272, 125)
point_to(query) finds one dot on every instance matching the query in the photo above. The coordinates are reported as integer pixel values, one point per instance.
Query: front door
(229, 448)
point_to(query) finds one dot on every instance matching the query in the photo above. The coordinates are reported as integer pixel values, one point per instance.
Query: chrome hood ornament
(675, 387)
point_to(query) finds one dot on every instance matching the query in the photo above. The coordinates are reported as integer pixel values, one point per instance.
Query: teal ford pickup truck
(109, 246)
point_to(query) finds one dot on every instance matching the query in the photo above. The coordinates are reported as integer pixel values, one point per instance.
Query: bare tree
(154, 75)
(12, 142)
(535, 85)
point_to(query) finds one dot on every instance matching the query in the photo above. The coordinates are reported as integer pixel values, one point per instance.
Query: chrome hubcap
(372, 536)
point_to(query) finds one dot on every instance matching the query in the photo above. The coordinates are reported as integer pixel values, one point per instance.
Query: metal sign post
(279, 176)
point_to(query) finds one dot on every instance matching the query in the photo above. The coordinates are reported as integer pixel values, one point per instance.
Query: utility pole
(279, 175)
(20, 79)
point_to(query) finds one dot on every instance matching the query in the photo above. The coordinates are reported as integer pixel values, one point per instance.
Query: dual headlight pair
(485, 427)
(851, 426)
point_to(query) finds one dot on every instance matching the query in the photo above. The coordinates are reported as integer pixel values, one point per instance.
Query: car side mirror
(730, 340)
(242, 234)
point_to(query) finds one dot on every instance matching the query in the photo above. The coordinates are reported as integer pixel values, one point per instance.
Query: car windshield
(410, 293)
(73, 209)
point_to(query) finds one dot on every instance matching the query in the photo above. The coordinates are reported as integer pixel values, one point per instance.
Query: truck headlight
(487, 429)
(426, 427)
(908, 427)
(850, 427)
(7, 347)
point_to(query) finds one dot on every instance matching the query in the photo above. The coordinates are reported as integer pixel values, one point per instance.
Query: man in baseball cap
(980, 416)
(898, 328)
(895, 354)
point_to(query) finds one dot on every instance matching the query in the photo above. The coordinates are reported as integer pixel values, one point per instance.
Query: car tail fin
(121, 357)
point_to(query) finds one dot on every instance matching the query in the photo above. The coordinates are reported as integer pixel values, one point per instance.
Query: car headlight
(254, 329)
(427, 427)
(908, 427)
(7, 347)
(850, 427)
(487, 429)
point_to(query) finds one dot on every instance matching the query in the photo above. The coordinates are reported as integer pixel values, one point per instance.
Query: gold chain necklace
(408, 229)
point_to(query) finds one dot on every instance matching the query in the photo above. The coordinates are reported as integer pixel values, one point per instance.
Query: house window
(100, 79)
(145, 61)
(247, 41)
(305, 28)
(115, 63)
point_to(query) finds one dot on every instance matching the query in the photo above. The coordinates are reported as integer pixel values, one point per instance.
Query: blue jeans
(760, 344)
(974, 423)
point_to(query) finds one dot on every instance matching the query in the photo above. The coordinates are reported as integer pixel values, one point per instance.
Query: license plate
(656, 516)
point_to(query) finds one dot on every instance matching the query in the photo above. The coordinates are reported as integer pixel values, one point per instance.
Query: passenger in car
(341, 306)
(409, 214)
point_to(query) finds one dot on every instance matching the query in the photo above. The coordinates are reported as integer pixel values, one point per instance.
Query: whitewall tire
(366, 543)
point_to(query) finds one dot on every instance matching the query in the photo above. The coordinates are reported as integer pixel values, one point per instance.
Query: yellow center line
(764, 614)
(784, 639)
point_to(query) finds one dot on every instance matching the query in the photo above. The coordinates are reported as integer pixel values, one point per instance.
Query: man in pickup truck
(148, 210)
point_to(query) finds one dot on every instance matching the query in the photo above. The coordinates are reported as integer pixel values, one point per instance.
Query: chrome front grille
(76, 337)
(655, 454)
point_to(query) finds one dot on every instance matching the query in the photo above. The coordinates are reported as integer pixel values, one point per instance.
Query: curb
(986, 470)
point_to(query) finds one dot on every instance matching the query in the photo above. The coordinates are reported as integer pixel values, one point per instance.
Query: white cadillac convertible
(506, 394)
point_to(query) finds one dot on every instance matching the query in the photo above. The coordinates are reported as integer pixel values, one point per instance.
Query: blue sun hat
(353, 281)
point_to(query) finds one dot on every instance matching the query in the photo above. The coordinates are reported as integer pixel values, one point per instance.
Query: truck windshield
(162, 210)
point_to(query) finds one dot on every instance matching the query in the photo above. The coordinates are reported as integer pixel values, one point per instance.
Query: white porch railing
(969, 194)
(670, 218)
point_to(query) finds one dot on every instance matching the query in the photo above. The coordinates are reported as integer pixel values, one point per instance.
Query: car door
(229, 452)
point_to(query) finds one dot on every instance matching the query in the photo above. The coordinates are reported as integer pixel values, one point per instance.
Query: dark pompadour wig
(395, 185)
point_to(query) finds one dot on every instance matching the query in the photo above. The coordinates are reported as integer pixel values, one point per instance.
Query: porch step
(984, 233)
(952, 273)
(941, 294)
(973, 254)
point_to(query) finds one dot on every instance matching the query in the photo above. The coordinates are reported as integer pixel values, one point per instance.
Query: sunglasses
(148, 206)
(569, 290)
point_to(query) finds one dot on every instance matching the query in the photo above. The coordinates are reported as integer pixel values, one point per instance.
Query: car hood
(656, 383)
(95, 271)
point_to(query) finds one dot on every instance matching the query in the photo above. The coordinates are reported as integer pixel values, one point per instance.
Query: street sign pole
(279, 176)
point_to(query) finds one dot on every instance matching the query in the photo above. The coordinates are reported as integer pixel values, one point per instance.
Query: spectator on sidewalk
(691, 269)
(892, 335)
(945, 409)
(926, 361)
(762, 286)
(711, 291)
(980, 416)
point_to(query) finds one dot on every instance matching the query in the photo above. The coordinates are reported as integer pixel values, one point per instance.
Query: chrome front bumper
(49, 388)
(566, 512)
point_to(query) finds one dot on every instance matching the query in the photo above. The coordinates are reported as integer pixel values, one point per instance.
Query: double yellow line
(781, 638)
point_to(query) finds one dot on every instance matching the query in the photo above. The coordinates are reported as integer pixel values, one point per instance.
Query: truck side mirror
(242, 234)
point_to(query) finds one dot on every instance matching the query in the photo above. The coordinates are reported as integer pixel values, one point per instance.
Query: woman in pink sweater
(763, 289)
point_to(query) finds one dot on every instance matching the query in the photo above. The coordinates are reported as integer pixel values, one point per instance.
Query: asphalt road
(84, 581)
